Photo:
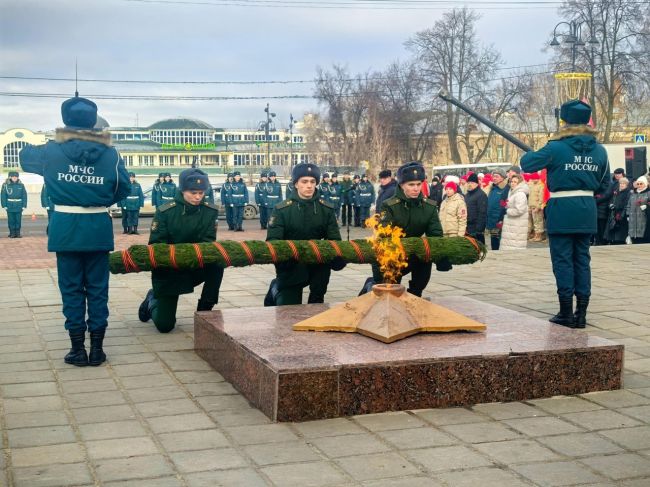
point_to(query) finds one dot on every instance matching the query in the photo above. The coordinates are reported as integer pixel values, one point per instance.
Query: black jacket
(435, 193)
(384, 193)
(476, 201)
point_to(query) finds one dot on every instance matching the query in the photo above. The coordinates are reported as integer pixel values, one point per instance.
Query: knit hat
(13, 173)
(472, 178)
(452, 185)
(385, 174)
(79, 113)
(515, 169)
(499, 172)
(305, 170)
(452, 178)
(643, 180)
(193, 180)
(575, 112)
(411, 171)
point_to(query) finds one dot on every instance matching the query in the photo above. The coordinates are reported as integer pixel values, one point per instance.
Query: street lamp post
(290, 140)
(574, 37)
(268, 127)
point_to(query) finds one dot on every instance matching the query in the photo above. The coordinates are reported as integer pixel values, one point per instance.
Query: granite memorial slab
(304, 375)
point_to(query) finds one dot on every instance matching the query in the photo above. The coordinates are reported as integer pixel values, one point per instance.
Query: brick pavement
(157, 415)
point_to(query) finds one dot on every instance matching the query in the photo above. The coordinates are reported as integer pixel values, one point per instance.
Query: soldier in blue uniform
(155, 191)
(209, 195)
(225, 200)
(365, 197)
(335, 195)
(14, 200)
(354, 200)
(324, 187)
(238, 200)
(132, 204)
(84, 176)
(289, 190)
(273, 192)
(167, 189)
(346, 199)
(186, 219)
(260, 200)
(576, 167)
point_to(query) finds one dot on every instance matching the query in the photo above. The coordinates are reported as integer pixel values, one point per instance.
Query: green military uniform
(299, 219)
(180, 222)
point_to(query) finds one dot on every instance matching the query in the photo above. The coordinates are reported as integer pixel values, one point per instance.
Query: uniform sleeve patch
(154, 225)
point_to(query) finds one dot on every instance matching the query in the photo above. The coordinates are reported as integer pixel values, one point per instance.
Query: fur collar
(66, 134)
(572, 130)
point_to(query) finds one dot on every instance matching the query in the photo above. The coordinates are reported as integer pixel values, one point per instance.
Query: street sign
(639, 138)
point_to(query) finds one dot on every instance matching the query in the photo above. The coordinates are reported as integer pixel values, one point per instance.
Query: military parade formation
(84, 175)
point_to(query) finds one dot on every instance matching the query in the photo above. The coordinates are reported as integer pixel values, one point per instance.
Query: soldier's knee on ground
(164, 324)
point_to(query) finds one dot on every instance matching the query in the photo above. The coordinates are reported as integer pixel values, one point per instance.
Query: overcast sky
(200, 41)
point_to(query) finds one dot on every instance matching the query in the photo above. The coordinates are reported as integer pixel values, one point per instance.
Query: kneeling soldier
(187, 219)
(304, 216)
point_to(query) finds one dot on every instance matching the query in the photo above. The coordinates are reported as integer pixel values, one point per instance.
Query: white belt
(568, 194)
(132, 197)
(14, 199)
(80, 209)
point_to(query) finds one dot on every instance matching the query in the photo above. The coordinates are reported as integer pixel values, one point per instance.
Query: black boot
(11, 234)
(77, 354)
(204, 305)
(135, 230)
(126, 231)
(565, 316)
(97, 355)
(144, 311)
(580, 315)
(17, 234)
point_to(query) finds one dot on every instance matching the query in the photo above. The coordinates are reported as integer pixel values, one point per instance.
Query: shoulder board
(209, 205)
(392, 201)
(326, 203)
(284, 204)
(427, 201)
(166, 206)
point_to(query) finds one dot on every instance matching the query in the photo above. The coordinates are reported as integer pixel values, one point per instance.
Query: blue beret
(193, 180)
(79, 113)
(411, 171)
(305, 170)
(575, 112)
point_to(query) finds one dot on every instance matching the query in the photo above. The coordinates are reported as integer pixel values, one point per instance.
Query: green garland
(229, 253)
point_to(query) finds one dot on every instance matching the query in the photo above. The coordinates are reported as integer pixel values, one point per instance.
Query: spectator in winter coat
(603, 203)
(496, 207)
(435, 191)
(535, 207)
(387, 186)
(453, 212)
(476, 201)
(638, 211)
(616, 230)
(515, 223)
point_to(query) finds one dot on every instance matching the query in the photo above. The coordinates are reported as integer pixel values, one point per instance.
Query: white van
(462, 169)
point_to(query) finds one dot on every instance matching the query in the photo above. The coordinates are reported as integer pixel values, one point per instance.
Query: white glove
(231, 205)
(643, 207)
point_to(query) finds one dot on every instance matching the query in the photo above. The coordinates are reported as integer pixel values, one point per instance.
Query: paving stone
(517, 451)
(315, 474)
(180, 422)
(44, 435)
(103, 414)
(630, 438)
(157, 482)
(94, 385)
(622, 466)
(508, 410)
(52, 475)
(92, 399)
(267, 433)
(157, 394)
(197, 461)
(377, 466)
(243, 477)
(341, 446)
(39, 418)
(417, 438)
(147, 381)
(483, 477)
(481, 432)
(642, 413)
(115, 429)
(140, 467)
(580, 444)
(120, 447)
(167, 407)
(242, 417)
(447, 458)
(193, 440)
(289, 452)
(28, 405)
(150, 368)
(403, 482)
(450, 416)
(541, 426)
(602, 419)
(70, 372)
(220, 403)
(211, 389)
(198, 377)
(564, 404)
(388, 421)
(328, 427)
(25, 366)
(557, 473)
(47, 455)
(29, 390)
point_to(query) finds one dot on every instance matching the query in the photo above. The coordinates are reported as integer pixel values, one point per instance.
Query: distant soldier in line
(124, 216)
(577, 166)
(132, 204)
(226, 201)
(167, 189)
(186, 219)
(304, 216)
(354, 200)
(335, 194)
(365, 197)
(84, 176)
(14, 200)
(156, 191)
(273, 192)
(346, 199)
(209, 195)
(289, 190)
(46, 203)
(324, 187)
(260, 200)
(238, 200)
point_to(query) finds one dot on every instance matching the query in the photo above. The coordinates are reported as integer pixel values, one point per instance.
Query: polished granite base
(299, 376)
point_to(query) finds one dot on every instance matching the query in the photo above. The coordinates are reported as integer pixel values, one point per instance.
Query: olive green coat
(298, 219)
(416, 216)
(179, 222)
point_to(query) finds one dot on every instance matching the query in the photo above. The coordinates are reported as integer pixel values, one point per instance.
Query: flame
(386, 242)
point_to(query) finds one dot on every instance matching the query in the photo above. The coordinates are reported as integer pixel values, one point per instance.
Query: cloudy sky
(221, 40)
